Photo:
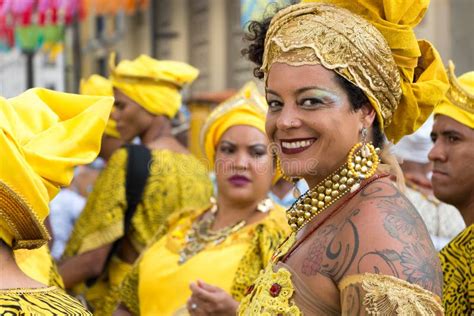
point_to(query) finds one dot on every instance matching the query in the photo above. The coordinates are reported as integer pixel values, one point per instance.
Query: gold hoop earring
(293, 180)
(363, 159)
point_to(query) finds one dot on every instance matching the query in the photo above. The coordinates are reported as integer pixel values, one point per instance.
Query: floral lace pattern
(388, 295)
(271, 295)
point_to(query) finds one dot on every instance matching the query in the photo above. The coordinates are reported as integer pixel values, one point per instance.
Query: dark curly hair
(255, 36)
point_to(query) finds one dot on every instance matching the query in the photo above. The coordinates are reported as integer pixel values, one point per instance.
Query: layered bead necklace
(201, 234)
(347, 178)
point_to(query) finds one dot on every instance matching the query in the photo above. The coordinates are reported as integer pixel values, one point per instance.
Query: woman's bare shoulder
(379, 231)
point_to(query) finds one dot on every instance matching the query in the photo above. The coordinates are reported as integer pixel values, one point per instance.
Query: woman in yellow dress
(210, 256)
(40, 142)
(103, 245)
(341, 77)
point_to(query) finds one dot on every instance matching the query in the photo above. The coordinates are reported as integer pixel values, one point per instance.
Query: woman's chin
(240, 195)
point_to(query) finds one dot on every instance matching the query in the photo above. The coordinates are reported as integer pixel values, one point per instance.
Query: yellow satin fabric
(247, 107)
(98, 85)
(43, 135)
(159, 270)
(451, 105)
(423, 79)
(39, 265)
(153, 84)
(236, 262)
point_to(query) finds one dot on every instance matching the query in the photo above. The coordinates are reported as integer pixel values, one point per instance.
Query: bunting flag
(32, 23)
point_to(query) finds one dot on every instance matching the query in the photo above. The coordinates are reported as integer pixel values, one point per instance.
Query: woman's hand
(210, 300)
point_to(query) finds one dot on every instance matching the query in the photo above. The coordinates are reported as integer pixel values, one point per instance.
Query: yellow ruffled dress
(176, 181)
(159, 285)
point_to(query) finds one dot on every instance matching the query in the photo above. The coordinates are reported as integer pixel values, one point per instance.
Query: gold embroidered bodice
(273, 293)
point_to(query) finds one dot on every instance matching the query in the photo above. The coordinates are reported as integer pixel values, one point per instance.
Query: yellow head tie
(100, 86)
(247, 107)
(153, 84)
(43, 135)
(332, 35)
(459, 102)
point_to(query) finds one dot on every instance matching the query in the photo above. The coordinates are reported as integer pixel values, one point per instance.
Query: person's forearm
(121, 311)
(84, 266)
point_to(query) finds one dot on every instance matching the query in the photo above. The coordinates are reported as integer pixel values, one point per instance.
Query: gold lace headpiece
(459, 101)
(459, 94)
(403, 82)
(309, 33)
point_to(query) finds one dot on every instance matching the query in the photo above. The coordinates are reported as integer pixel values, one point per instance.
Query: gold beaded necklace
(360, 166)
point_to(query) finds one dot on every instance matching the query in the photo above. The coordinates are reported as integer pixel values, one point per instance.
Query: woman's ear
(367, 115)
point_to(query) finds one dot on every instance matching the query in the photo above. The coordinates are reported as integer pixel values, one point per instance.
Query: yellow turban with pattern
(247, 107)
(100, 86)
(459, 102)
(372, 44)
(43, 135)
(153, 84)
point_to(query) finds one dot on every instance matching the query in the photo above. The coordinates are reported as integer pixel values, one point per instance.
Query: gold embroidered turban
(247, 107)
(100, 86)
(153, 84)
(375, 49)
(43, 135)
(459, 103)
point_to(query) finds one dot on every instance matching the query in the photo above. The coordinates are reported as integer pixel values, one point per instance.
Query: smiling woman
(341, 77)
(209, 257)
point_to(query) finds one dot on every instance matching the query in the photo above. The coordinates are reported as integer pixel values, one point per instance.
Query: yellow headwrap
(153, 84)
(247, 107)
(402, 77)
(100, 86)
(459, 102)
(43, 135)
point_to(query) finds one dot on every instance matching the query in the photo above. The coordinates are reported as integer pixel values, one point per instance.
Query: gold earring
(294, 180)
(363, 159)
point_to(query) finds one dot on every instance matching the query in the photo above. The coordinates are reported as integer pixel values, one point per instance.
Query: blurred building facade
(206, 34)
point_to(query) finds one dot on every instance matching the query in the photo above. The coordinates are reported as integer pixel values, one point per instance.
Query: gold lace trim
(29, 232)
(457, 94)
(388, 295)
(315, 33)
(260, 300)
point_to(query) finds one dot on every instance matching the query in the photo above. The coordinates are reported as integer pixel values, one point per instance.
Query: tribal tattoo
(414, 260)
